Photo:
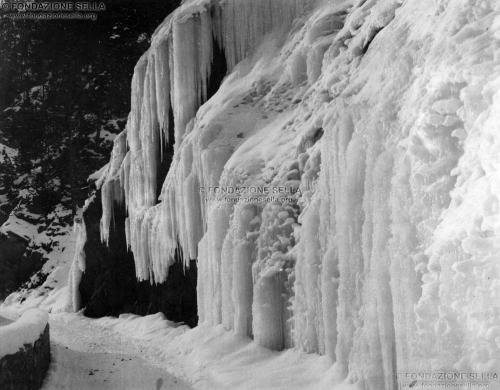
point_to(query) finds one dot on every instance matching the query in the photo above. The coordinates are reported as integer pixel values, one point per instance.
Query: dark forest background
(64, 86)
(64, 94)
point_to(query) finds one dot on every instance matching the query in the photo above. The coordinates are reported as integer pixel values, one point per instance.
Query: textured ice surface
(385, 115)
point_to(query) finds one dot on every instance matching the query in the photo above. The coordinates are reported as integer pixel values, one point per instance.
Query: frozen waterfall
(374, 125)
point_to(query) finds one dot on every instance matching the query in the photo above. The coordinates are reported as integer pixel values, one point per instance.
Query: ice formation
(378, 120)
(173, 76)
(78, 265)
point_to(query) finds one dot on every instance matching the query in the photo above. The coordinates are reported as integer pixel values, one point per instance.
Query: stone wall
(26, 369)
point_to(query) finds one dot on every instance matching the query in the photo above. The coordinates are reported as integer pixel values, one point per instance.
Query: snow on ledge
(26, 330)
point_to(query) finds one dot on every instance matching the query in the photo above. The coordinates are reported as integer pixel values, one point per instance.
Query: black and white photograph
(250, 195)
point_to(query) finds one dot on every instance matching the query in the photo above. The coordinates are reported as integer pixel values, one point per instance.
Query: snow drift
(26, 330)
(369, 130)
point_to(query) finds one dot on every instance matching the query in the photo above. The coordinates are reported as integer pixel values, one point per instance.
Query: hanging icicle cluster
(173, 77)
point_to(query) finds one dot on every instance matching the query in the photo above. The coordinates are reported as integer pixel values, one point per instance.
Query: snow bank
(380, 121)
(211, 358)
(25, 330)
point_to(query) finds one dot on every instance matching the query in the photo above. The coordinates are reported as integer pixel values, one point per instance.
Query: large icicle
(111, 190)
(78, 264)
(271, 273)
(192, 49)
(77, 267)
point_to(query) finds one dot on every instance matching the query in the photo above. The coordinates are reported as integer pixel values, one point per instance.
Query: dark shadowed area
(109, 285)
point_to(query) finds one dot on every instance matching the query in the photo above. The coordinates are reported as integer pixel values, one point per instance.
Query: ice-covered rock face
(380, 118)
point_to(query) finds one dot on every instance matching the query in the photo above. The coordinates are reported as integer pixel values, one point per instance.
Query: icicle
(162, 87)
(244, 246)
(111, 189)
(244, 23)
(308, 299)
(270, 273)
(78, 264)
(227, 309)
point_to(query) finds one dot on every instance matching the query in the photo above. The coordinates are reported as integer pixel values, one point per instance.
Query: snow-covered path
(88, 356)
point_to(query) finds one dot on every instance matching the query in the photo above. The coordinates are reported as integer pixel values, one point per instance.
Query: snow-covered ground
(86, 355)
(136, 353)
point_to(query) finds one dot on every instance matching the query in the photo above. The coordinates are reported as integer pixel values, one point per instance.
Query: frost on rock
(379, 119)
